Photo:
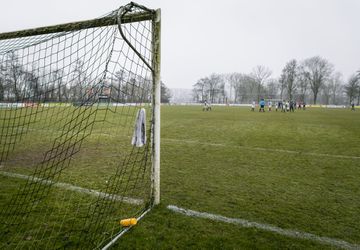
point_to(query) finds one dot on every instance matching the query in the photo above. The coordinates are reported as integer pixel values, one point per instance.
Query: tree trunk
(315, 97)
(2, 90)
(302, 97)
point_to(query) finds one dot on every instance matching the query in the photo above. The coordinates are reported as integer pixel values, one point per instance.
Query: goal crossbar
(75, 26)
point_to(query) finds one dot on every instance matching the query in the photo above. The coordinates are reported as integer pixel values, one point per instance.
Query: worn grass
(63, 218)
(226, 162)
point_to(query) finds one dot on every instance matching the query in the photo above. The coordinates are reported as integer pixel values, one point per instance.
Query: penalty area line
(266, 227)
(70, 187)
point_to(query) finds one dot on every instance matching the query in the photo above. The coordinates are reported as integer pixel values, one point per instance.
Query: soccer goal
(79, 130)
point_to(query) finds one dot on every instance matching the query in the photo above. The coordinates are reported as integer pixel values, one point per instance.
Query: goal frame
(146, 15)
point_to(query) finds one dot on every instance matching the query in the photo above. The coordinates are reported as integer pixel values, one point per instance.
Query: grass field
(49, 210)
(235, 163)
(297, 171)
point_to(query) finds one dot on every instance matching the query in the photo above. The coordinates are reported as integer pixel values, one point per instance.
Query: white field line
(262, 149)
(124, 231)
(75, 188)
(266, 227)
(241, 147)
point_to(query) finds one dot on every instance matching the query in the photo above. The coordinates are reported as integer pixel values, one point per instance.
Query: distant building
(103, 95)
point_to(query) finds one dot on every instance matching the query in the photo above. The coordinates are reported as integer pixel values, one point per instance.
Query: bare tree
(352, 88)
(236, 81)
(249, 87)
(335, 85)
(2, 82)
(302, 83)
(13, 75)
(57, 78)
(260, 74)
(245, 87)
(32, 90)
(214, 86)
(222, 96)
(165, 93)
(199, 89)
(78, 81)
(282, 85)
(316, 70)
(118, 83)
(326, 92)
(210, 88)
(288, 78)
(272, 88)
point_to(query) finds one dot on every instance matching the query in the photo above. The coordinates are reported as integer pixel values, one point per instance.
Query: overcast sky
(201, 37)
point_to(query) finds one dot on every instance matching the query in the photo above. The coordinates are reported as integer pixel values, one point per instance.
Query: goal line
(70, 187)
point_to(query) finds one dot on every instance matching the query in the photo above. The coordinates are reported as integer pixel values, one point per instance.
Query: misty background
(223, 44)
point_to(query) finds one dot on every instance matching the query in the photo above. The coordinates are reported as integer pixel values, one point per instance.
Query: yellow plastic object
(128, 222)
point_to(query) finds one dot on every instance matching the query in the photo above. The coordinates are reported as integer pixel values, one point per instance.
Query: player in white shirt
(253, 106)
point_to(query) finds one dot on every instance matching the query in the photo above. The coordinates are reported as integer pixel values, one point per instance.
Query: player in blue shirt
(262, 105)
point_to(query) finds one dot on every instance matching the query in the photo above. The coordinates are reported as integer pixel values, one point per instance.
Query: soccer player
(284, 106)
(352, 106)
(270, 105)
(292, 103)
(253, 106)
(287, 106)
(262, 105)
(207, 106)
(279, 106)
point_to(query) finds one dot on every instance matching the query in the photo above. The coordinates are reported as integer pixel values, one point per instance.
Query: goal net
(78, 129)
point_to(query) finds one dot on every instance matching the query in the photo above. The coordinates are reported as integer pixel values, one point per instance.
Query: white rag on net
(139, 136)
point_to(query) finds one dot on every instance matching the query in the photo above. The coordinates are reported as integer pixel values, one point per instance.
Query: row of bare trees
(33, 82)
(312, 80)
(21, 82)
(125, 87)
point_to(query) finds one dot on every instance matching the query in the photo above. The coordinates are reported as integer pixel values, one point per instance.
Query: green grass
(312, 193)
(68, 219)
(226, 162)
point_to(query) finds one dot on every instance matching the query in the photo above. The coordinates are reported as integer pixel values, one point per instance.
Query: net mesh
(68, 105)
